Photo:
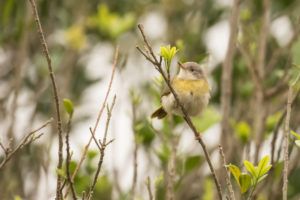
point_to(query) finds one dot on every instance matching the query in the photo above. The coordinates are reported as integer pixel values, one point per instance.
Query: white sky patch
(282, 31)
(216, 40)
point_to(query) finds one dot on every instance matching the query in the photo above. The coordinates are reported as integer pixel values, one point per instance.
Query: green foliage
(208, 189)
(75, 37)
(167, 53)
(144, 134)
(235, 172)
(159, 179)
(103, 188)
(164, 154)
(192, 163)
(272, 121)
(208, 118)
(68, 106)
(297, 142)
(258, 174)
(242, 129)
(245, 182)
(17, 198)
(111, 24)
(296, 52)
(61, 173)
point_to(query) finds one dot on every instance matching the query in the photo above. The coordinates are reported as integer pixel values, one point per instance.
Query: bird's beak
(181, 66)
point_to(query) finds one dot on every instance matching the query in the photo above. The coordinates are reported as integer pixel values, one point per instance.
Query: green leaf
(18, 197)
(297, 142)
(262, 178)
(201, 57)
(159, 179)
(266, 169)
(295, 134)
(235, 172)
(208, 118)
(245, 182)
(61, 172)
(68, 106)
(192, 163)
(250, 167)
(262, 165)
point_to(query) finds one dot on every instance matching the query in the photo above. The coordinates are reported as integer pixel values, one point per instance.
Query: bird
(192, 89)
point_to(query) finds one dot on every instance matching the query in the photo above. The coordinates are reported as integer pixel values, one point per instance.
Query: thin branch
(135, 151)
(186, 117)
(226, 88)
(98, 119)
(227, 174)
(95, 140)
(68, 159)
(25, 141)
(286, 138)
(276, 129)
(102, 150)
(148, 183)
(277, 54)
(250, 65)
(55, 93)
(260, 111)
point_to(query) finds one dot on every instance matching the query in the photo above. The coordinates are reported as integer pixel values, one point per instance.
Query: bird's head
(191, 71)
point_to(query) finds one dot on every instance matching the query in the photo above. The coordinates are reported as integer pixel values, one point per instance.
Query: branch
(102, 150)
(286, 138)
(55, 93)
(276, 55)
(260, 110)
(135, 151)
(98, 119)
(227, 174)
(226, 88)
(25, 141)
(71, 183)
(280, 121)
(148, 183)
(186, 117)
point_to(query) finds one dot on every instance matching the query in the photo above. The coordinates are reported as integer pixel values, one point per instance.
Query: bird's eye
(192, 70)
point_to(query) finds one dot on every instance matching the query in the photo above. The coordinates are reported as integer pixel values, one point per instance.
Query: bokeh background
(82, 37)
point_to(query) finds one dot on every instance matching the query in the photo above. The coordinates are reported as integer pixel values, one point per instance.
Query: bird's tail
(159, 113)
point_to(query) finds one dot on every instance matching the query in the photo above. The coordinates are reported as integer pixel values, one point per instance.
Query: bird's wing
(166, 91)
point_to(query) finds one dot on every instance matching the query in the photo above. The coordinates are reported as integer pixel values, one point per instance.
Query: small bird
(192, 89)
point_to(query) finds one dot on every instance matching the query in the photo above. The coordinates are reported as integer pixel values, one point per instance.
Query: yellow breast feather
(197, 87)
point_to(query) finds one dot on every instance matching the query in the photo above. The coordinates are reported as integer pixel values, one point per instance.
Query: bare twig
(148, 183)
(68, 159)
(55, 93)
(227, 174)
(286, 138)
(157, 65)
(171, 168)
(260, 111)
(226, 89)
(98, 119)
(95, 140)
(135, 151)
(25, 141)
(276, 55)
(276, 129)
(102, 150)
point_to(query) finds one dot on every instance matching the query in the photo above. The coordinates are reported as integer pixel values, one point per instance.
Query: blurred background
(82, 37)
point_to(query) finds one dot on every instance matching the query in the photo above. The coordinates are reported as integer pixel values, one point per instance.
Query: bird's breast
(195, 87)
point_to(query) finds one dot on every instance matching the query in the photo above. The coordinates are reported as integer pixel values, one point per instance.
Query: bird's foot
(198, 136)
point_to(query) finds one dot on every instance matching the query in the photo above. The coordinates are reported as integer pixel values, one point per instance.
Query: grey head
(191, 71)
